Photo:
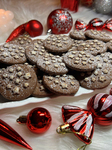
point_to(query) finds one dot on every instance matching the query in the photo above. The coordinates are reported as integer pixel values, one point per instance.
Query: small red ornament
(87, 3)
(8, 134)
(18, 31)
(34, 28)
(80, 25)
(95, 24)
(38, 120)
(70, 4)
(101, 107)
(108, 25)
(59, 21)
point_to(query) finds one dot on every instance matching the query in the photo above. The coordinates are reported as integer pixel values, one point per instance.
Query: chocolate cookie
(22, 40)
(109, 45)
(65, 84)
(12, 54)
(97, 79)
(95, 34)
(94, 47)
(51, 64)
(78, 35)
(33, 52)
(58, 43)
(79, 61)
(18, 82)
(40, 90)
(75, 45)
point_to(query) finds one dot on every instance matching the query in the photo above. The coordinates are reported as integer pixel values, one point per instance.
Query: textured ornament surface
(60, 21)
(103, 6)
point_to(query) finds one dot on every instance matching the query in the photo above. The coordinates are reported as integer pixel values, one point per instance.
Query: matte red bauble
(34, 28)
(101, 107)
(38, 120)
(59, 21)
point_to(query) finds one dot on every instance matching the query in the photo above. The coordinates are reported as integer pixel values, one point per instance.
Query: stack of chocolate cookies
(58, 65)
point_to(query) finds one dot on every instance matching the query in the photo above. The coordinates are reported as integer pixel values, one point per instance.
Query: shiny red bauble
(34, 28)
(38, 120)
(95, 24)
(59, 21)
(101, 107)
(80, 25)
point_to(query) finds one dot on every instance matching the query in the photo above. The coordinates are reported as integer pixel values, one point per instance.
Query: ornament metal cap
(8, 134)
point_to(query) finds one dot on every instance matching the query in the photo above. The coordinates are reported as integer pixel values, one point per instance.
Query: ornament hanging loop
(64, 128)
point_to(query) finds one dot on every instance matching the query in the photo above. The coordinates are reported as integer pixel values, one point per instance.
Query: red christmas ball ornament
(101, 107)
(38, 120)
(95, 24)
(59, 21)
(34, 28)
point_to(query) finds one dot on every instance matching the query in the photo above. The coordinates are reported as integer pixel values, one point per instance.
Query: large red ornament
(8, 134)
(59, 21)
(70, 4)
(101, 107)
(34, 28)
(81, 122)
(38, 120)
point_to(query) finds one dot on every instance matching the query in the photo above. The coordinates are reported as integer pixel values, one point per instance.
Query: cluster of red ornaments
(95, 23)
(81, 122)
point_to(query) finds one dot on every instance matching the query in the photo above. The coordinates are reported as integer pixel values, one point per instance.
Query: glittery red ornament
(101, 107)
(38, 120)
(8, 134)
(34, 28)
(18, 31)
(59, 21)
(80, 25)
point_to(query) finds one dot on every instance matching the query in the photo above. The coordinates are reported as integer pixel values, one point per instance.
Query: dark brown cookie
(51, 64)
(75, 45)
(78, 35)
(12, 54)
(40, 90)
(99, 35)
(32, 52)
(97, 79)
(79, 61)
(94, 47)
(58, 43)
(18, 82)
(65, 84)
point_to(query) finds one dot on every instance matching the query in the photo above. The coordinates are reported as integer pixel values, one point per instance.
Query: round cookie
(94, 47)
(18, 82)
(33, 52)
(79, 61)
(22, 40)
(75, 44)
(65, 84)
(12, 54)
(40, 90)
(78, 35)
(58, 43)
(109, 45)
(97, 79)
(99, 35)
(51, 64)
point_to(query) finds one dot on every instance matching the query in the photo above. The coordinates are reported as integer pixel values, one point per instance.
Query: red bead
(34, 28)
(80, 25)
(95, 23)
(101, 107)
(80, 120)
(59, 21)
(38, 120)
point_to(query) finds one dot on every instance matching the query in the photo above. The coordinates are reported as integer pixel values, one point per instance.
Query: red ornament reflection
(59, 21)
